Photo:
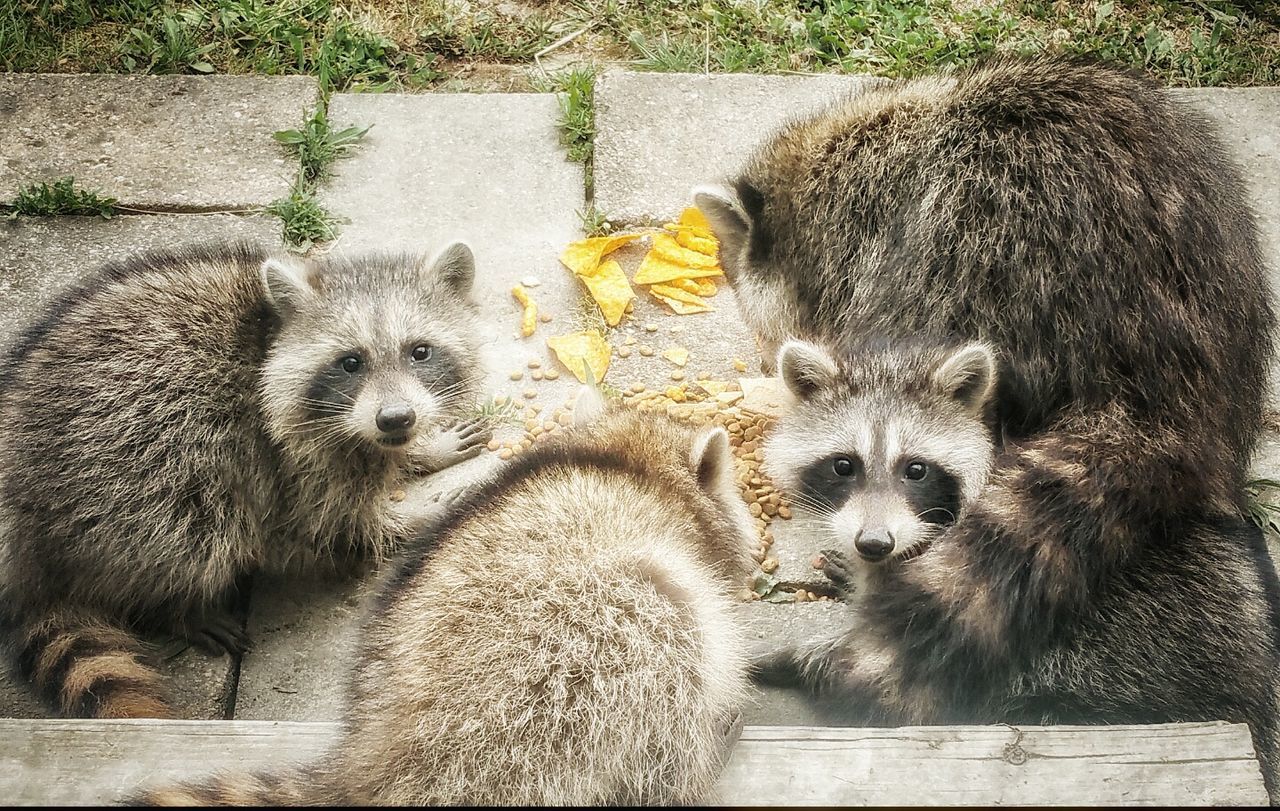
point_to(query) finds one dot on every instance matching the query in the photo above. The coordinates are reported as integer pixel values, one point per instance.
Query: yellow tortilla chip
(666, 246)
(611, 290)
(694, 216)
(712, 387)
(678, 300)
(584, 255)
(656, 270)
(586, 354)
(677, 355)
(691, 239)
(705, 287)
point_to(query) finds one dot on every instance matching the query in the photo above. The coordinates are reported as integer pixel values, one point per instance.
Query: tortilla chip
(694, 242)
(585, 354)
(694, 216)
(611, 290)
(654, 269)
(677, 355)
(678, 300)
(666, 246)
(584, 255)
(705, 287)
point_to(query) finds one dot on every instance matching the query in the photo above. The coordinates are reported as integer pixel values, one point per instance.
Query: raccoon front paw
(835, 565)
(454, 443)
(776, 668)
(216, 633)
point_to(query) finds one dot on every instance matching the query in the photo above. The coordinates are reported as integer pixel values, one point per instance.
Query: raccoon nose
(874, 544)
(395, 417)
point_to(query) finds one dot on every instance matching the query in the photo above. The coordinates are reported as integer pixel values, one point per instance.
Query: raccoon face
(371, 351)
(886, 448)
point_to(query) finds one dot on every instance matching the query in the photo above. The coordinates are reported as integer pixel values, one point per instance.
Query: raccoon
(561, 635)
(183, 418)
(896, 449)
(1093, 231)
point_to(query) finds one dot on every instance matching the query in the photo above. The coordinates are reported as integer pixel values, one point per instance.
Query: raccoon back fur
(568, 638)
(1093, 231)
(183, 418)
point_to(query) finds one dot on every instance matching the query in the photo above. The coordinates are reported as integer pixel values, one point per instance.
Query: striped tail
(293, 787)
(87, 667)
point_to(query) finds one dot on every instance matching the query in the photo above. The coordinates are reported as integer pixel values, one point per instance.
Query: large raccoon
(569, 641)
(891, 446)
(183, 418)
(1093, 231)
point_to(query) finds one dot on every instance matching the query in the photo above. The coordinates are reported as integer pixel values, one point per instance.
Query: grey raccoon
(893, 445)
(1095, 233)
(183, 418)
(564, 634)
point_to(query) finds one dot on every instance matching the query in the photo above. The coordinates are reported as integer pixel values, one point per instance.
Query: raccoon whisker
(950, 514)
(341, 394)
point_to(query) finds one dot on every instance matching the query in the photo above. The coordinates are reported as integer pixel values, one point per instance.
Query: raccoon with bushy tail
(1094, 231)
(183, 418)
(562, 635)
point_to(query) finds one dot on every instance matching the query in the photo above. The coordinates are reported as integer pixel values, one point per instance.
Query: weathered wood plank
(94, 762)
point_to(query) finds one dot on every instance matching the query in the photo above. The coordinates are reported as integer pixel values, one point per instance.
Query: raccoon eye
(843, 466)
(916, 471)
(351, 364)
(421, 352)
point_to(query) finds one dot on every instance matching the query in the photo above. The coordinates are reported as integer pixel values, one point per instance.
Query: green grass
(44, 200)
(318, 146)
(305, 221)
(384, 44)
(595, 223)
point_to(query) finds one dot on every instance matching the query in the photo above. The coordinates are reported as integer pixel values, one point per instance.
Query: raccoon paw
(835, 565)
(776, 668)
(456, 442)
(216, 633)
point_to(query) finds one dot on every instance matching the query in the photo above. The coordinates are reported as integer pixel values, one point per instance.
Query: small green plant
(174, 48)
(44, 200)
(595, 223)
(498, 412)
(306, 222)
(1263, 512)
(317, 145)
(577, 111)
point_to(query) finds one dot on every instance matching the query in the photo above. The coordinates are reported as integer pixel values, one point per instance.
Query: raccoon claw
(217, 635)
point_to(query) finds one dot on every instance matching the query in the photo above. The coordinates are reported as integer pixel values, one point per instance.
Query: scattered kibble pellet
(529, 394)
(650, 328)
(769, 565)
(647, 351)
(624, 351)
(505, 453)
(536, 374)
(545, 318)
(516, 375)
(677, 375)
(551, 374)
(398, 495)
(493, 445)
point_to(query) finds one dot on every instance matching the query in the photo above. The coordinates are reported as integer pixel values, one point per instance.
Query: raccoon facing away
(562, 635)
(1093, 231)
(183, 418)
(895, 446)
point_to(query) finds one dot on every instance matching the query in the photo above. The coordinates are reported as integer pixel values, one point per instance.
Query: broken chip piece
(608, 285)
(529, 318)
(584, 256)
(585, 354)
(666, 246)
(677, 355)
(679, 301)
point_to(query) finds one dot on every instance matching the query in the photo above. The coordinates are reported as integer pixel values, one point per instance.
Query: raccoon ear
(728, 217)
(968, 375)
(455, 266)
(288, 281)
(588, 407)
(806, 368)
(711, 459)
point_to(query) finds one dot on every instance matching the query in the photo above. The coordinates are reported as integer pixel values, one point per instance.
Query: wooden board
(96, 762)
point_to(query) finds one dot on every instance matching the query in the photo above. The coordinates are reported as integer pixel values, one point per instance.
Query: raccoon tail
(87, 667)
(292, 787)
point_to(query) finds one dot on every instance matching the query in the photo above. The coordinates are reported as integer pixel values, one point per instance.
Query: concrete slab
(38, 257)
(660, 134)
(488, 170)
(172, 143)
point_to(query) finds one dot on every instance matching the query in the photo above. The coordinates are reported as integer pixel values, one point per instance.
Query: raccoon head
(888, 445)
(737, 218)
(371, 351)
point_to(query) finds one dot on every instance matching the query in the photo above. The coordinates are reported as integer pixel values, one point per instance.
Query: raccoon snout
(874, 544)
(394, 418)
